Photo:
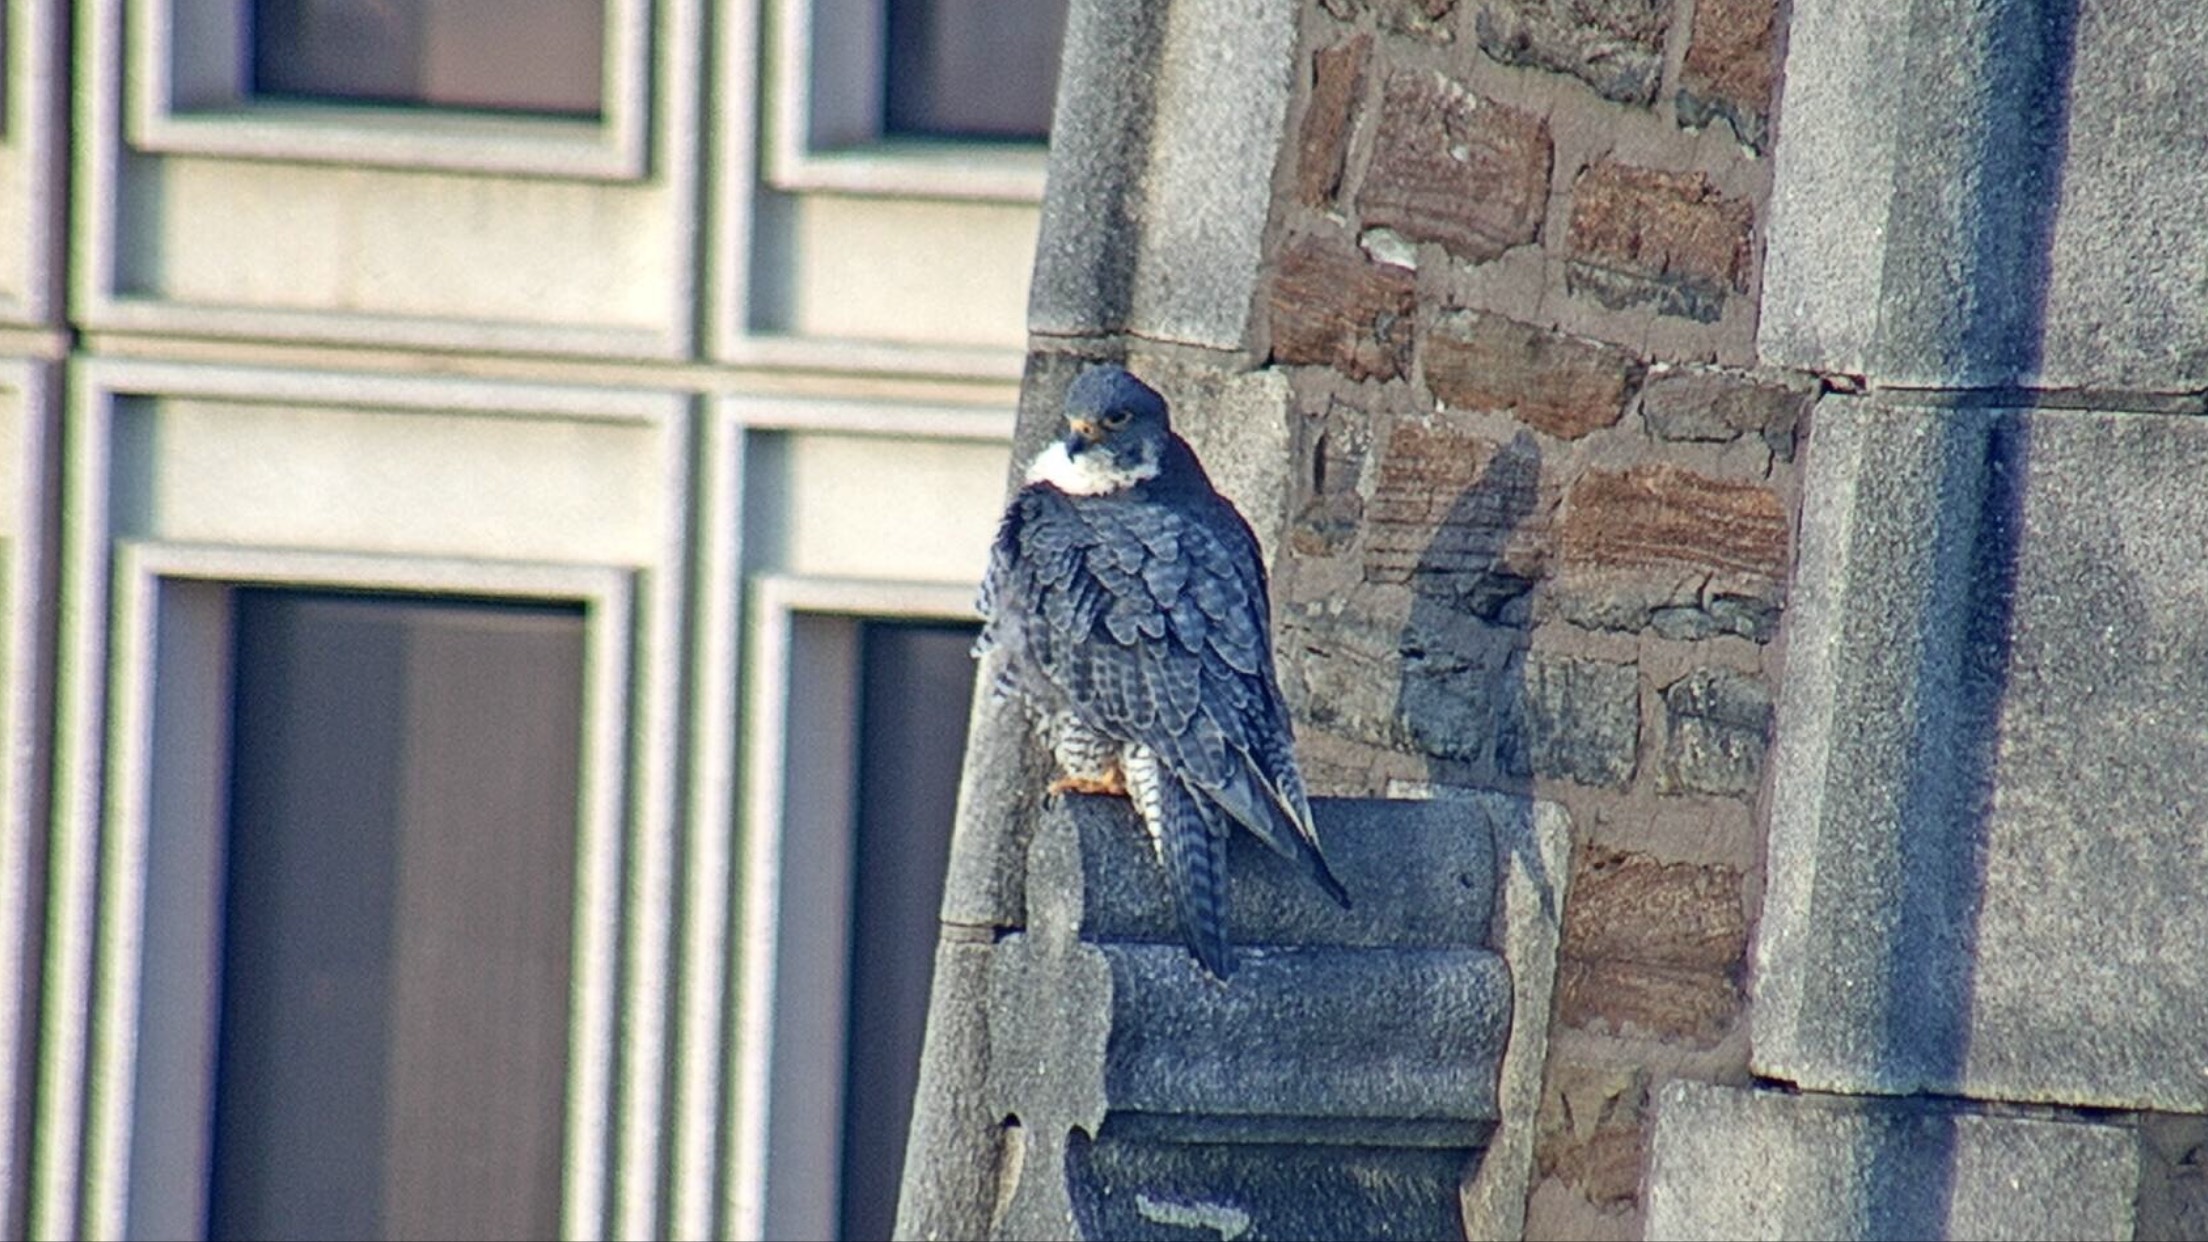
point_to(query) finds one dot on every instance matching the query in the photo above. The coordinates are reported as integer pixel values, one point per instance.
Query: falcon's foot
(1112, 783)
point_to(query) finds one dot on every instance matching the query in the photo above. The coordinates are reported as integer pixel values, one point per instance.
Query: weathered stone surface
(1962, 200)
(1455, 684)
(1985, 850)
(1637, 999)
(1458, 516)
(1614, 46)
(1428, 19)
(1669, 241)
(1574, 719)
(1159, 195)
(1730, 66)
(1590, 1130)
(1330, 509)
(1171, 1192)
(1452, 167)
(1337, 79)
(1726, 1162)
(1630, 907)
(1659, 546)
(1340, 665)
(2173, 1182)
(1400, 1044)
(1142, 1089)
(944, 1198)
(1719, 407)
(1449, 903)
(1332, 306)
(1563, 386)
(1717, 725)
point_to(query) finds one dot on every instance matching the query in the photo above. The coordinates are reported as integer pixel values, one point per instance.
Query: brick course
(1337, 78)
(1543, 509)
(1730, 66)
(1561, 385)
(1334, 307)
(1614, 46)
(1453, 167)
(1665, 240)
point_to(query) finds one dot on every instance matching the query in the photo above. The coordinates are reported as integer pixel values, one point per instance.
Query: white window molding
(334, 223)
(787, 1056)
(824, 101)
(633, 581)
(29, 434)
(33, 140)
(192, 95)
(146, 1135)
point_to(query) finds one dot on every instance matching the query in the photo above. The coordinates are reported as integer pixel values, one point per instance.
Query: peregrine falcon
(1127, 599)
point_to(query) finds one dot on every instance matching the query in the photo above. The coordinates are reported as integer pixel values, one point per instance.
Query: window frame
(138, 1180)
(830, 73)
(27, 545)
(788, 790)
(204, 58)
(611, 1186)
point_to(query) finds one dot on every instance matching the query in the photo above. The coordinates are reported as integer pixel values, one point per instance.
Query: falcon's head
(1116, 435)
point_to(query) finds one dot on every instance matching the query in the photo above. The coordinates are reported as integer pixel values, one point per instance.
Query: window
(932, 98)
(552, 87)
(859, 708)
(915, 686)
(972, 68)
(503, 55)
(397, 920)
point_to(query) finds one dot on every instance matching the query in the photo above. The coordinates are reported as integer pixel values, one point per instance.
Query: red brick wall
(1542, 524)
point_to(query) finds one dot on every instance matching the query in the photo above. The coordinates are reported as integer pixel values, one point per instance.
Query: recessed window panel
(535, 56)
(915, 684)
(984, 69)
(395, 952)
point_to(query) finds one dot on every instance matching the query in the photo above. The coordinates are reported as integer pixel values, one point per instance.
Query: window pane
(973, 68)
(505, 55)
(916, 683)
(393, 1040)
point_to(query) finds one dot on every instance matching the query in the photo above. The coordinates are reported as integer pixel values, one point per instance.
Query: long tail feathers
(1192, 842)
(1282, 820)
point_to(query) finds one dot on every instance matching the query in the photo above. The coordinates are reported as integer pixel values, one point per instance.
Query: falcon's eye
(1115, 420)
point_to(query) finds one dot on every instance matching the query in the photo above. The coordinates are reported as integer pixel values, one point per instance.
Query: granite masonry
(1795, 505)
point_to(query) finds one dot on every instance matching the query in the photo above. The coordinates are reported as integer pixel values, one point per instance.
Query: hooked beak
(1081, 433)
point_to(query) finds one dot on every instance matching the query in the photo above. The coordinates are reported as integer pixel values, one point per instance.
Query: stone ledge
(1727, 1162)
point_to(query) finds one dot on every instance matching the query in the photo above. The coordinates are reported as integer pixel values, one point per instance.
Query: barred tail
(1194, 850)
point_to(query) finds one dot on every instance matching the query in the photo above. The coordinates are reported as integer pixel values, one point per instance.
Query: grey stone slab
(1420, 875)
(1125, 1068)
(1389, 1046)
(1175, 1192)
(1985, 856)
(1991, 194)
(1726, 1162)
(1170, 119)
(951, 1149)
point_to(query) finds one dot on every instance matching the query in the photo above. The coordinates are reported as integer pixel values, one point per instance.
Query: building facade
(492, 494)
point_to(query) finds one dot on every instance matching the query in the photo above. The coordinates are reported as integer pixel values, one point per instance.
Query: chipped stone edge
(1534, 855)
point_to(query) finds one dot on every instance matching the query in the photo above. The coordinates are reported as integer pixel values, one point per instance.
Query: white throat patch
(1086, 475)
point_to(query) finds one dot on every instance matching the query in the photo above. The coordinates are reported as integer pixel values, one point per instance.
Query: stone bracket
(1349, 1080)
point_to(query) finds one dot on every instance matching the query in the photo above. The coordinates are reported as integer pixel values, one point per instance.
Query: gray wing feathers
(1154, 627)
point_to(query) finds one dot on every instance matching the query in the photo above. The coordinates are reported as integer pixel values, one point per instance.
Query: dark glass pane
(503, 55)
(916, 684)
(399, 891)
(973, 68)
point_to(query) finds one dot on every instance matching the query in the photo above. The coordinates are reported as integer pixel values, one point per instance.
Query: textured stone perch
(1342, 1084)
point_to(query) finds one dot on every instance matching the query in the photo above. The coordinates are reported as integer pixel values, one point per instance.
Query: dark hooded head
(1116, 435)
